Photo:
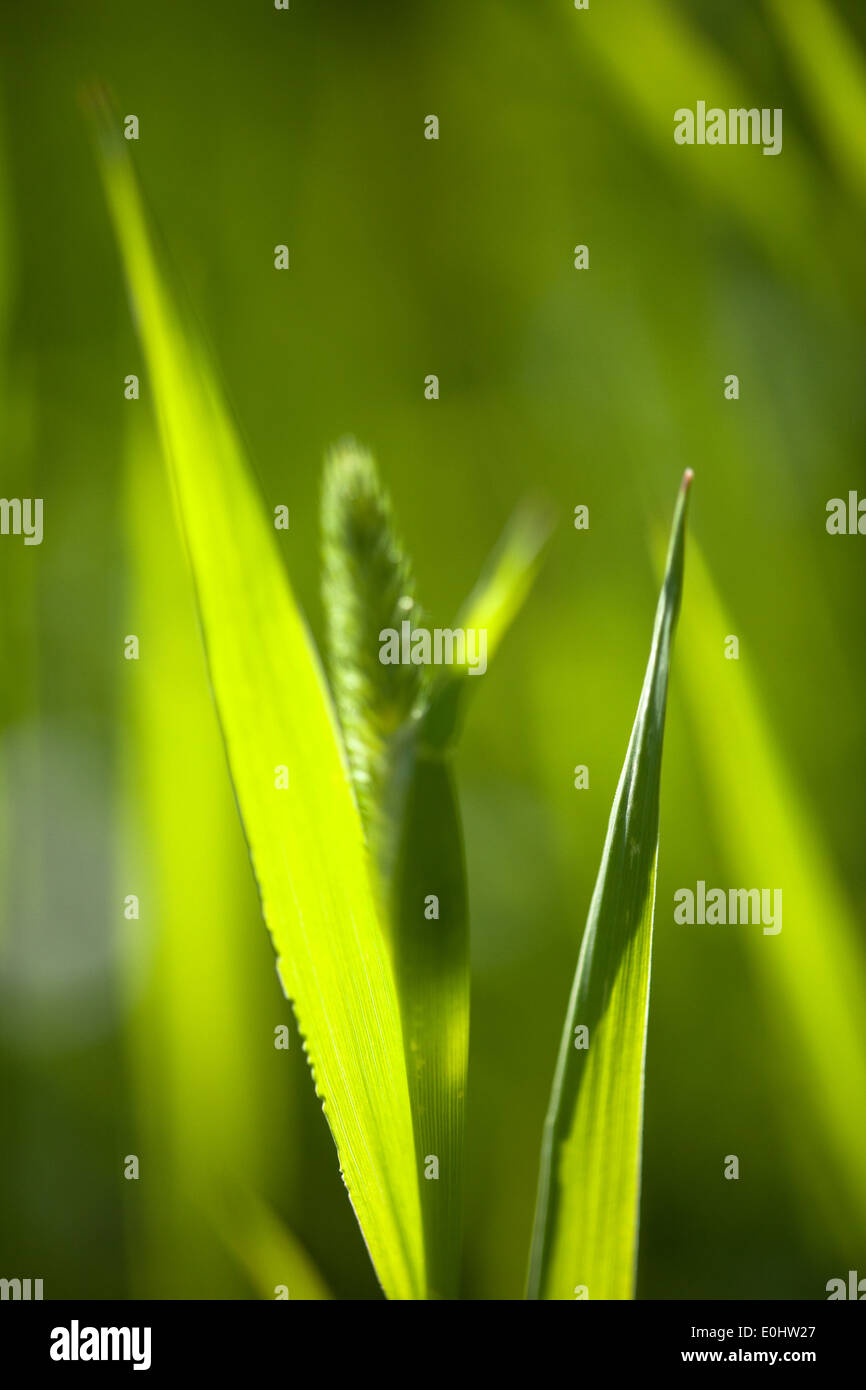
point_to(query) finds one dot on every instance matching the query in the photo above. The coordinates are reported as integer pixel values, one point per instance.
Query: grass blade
(432, 954)
(306, 840)
(207, 1111)
(431, 957)
(491, 608)
(271, 1254)
(657, 60)
(826, 56)
(585, 1238)
(813, 973)
(400, 726)
(410, 812)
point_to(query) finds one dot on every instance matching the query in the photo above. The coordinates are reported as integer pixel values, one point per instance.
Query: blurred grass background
(455, 257)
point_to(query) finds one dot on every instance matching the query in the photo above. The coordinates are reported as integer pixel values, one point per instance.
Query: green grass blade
(431, 954)
(306, 840)
(414, 831)
(657, 60)
(208, 1110)
(491, 608)
(274, 1259)
(830, 65)
(400, 726)
(508, 575)
(813, 972)
(192, 1036)
(585, 1234)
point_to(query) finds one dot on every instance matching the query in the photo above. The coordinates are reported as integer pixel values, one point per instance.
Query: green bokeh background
(410, 257)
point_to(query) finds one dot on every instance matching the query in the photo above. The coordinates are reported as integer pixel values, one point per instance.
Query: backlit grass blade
(399, 723)
(273, 1257)
(207, 1108)
(491, 608)
(428, 910)
(411, 815)
(429, 901)
(813, 971)
(507, 576)
(830, 65)
(658, 60)
(585, 1238)
(289, 772)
